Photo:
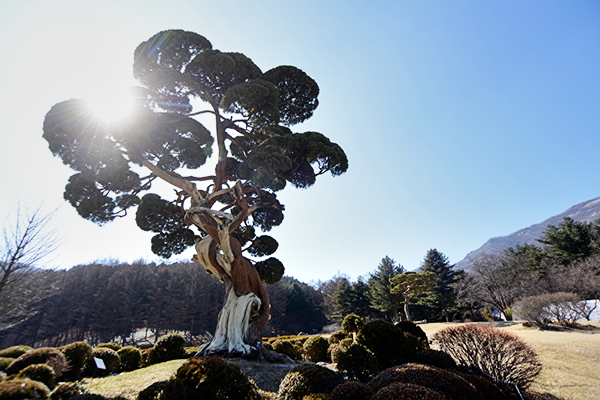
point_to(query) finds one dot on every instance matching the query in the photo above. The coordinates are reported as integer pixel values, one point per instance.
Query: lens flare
(112, 104)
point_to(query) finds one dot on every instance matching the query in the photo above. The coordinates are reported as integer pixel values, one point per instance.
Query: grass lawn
(570, 359)
(129, 384)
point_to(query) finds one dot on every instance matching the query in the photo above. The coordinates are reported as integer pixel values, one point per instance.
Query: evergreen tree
(221, 210)
(380, 288)
(571, 240)
(410, 284)
(352, 298)
(528, 256)
(441, 298)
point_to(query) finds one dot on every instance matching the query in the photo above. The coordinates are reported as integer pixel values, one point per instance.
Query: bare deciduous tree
(27, 241)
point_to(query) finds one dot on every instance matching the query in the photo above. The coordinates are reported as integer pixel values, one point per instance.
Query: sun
(111, 103)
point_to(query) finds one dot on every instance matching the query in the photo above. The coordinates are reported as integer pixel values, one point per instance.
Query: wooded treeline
(105, 302)
(565, 265)
(111, 301)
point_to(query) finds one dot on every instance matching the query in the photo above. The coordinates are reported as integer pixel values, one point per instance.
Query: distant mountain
(586, 212)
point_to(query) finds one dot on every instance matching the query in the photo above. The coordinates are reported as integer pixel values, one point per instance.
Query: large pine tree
(222, 210)
(352, 298)
(380, 288)
(441, 298)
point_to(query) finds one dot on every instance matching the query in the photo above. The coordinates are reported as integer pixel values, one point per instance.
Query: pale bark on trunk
(233, 328)
(406, 312)
(246, 309)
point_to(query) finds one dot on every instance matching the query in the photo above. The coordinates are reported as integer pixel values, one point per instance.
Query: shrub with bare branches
(498, 353)
(562, 308)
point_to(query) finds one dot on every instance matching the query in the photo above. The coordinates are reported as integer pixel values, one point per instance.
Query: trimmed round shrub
(406, 391)
(131, 358)
(145, 356)
(388, 343)
(436, 358)
(491, 390)
(191, 352)
(316, 396)
(337, 337)
(334, 352)
(351, 390)
(111, 359)
(66, 391)
(5, 362)
(78, 355)
(345, 343)
(23, 389)
(451, 385)
(153, 391)
(413, 329)
(112, 346)
(306, 379)
(268, 346)
(413, 345)
(358, 363)
(40, 373)
(168, 347)
(209, 378)
(14, 351)
(44, 355)
(288, 348)
(315, 349)
(498, 353)
(352, 323)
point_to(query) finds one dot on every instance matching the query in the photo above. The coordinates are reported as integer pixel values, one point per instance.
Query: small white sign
(99, 363)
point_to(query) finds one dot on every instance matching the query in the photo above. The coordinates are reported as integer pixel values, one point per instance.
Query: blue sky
(461, 120)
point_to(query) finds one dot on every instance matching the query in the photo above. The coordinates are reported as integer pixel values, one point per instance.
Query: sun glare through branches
(111, 104)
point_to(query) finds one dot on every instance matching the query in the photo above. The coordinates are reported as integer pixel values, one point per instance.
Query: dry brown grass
(570, 358)
(129, 384)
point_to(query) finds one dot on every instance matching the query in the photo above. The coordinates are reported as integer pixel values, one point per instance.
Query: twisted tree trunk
(246, 309)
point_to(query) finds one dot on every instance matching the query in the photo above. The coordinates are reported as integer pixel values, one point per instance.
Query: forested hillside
(112, 301)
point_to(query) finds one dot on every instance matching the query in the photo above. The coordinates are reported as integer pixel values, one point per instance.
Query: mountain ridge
(586, 211)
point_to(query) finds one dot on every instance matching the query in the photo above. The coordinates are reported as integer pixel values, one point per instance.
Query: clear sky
(462, 120)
